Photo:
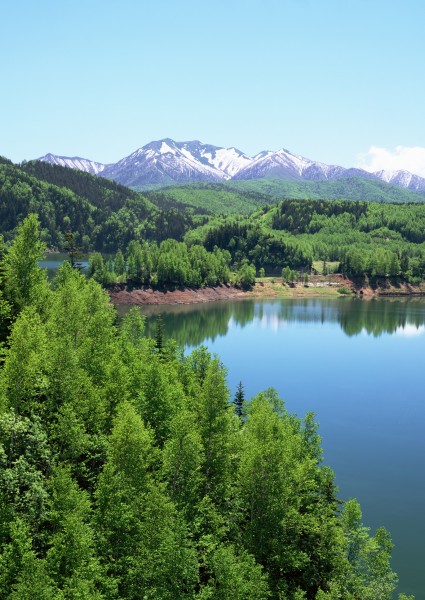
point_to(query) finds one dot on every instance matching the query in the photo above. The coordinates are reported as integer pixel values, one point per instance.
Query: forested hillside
(243, 197)
(101, 192)
(101, 214)
(366, 238)
(215, 198)
(373, 239)
(351, 188)
(127, 472)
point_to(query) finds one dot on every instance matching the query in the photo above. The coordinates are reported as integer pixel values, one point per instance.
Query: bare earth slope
(319, 286)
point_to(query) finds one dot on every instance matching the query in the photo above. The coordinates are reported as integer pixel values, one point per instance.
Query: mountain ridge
(166, 161)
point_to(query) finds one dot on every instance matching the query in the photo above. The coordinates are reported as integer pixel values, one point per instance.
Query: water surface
(53, 260)
(359, 366)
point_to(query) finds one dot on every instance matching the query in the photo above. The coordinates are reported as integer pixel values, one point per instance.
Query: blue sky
(340, 81)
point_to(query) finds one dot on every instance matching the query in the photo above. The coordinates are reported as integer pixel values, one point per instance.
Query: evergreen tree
(73, 251)
(239, 400)
(159, 334)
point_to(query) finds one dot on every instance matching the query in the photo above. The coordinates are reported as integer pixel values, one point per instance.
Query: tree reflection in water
(195, 324)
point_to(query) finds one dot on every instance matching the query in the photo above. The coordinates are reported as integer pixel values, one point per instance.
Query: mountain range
(166, 162)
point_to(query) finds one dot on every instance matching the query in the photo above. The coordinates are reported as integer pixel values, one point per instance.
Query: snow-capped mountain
(228, 161)
(402, 179)
(285, 165)
(166, 162)
(82, 164)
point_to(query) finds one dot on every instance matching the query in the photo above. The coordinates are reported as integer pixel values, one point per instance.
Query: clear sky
(339, 81)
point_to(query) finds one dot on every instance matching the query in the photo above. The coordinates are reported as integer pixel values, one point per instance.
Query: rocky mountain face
(402, 179)
(166, 162)
(82, 164)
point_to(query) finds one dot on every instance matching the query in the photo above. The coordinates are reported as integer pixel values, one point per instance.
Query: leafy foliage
(126, 473)
(171, 264)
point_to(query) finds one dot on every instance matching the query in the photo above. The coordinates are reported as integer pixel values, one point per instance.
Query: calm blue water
(359, 365)
(54, 260)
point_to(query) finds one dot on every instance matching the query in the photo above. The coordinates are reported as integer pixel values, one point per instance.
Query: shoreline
(267, 288)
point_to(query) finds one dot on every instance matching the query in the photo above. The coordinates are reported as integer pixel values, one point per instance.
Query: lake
(53, 261)
(359, 365)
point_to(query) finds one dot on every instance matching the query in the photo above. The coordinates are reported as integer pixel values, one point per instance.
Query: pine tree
(159, 334)
(239, 400)
(73, 251)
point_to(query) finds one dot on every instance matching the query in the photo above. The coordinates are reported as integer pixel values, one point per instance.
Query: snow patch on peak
(228, 160)
(75, 162)
(166, 149)
(384, 175)
(263, 154)
(167, 161)
(401, 178)
(298, 162)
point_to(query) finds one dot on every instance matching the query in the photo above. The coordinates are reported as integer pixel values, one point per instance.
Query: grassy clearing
(267, 288)
(331, 266)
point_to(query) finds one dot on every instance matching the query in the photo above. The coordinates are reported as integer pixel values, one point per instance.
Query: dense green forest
(350, 188)
(215, 198)
(242, 197)
(172, 264)
(101, 214)
(128, 472)
(366, 239)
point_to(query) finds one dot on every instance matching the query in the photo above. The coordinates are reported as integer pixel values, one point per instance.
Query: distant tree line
(247, 240)
(170, 264)
(365, 238)
(373, 239)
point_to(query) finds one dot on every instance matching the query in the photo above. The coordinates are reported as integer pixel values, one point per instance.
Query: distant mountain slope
(216, 198)
(164, 161)
(103, 193)
(285, 165)
(101, 214)
(351, 188)
(167, 161)
(243, 197)
(402, 179)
